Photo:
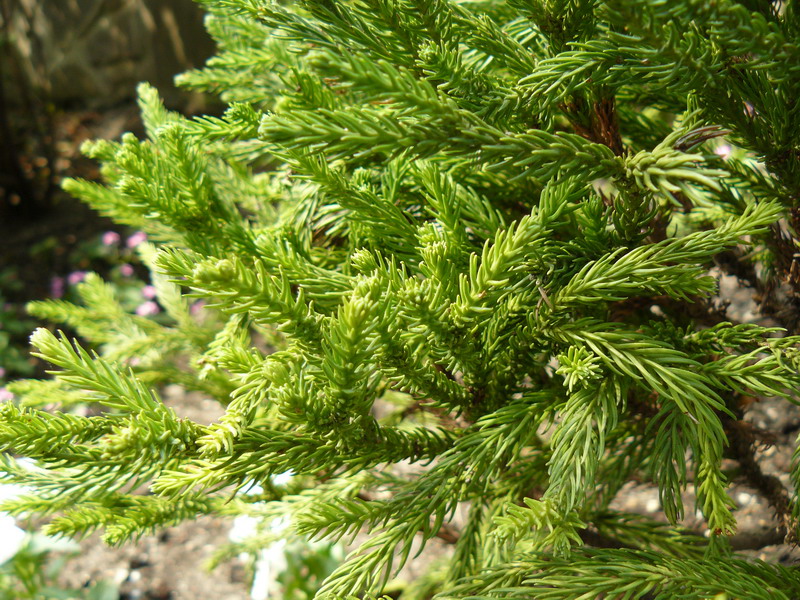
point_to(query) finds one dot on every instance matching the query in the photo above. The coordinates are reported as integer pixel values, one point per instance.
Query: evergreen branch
(109, 201)
(36, 433)
(248, 73)
(755, 373)
(142, 515)
(381, 82)
(629, 354)
(552, 528)
(501, 268)
(641, 533)
(402, 363)
(236, 288)
(246, 403)
(413, 374)
(126, 517)
(81, 370)
(730, 26)
(613, 61)
(579, 443)
(337, 519)
(361, 132)
(486, 36)
(629, 572)
(456, 206)
(39, 393)
(688, 402)
(346, 362)
(662, 268)
(387, 225)
(79, 522)
(669, 170)
(434, 230)
(259, 452)
(466, 469)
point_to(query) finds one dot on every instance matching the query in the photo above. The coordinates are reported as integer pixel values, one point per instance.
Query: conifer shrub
(453, 254)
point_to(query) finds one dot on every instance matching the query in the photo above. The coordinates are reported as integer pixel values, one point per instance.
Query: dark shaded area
(44, 232)
(41, 233)
(68, 72)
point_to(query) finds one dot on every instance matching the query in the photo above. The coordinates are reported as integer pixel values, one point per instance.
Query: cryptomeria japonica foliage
(492, 224)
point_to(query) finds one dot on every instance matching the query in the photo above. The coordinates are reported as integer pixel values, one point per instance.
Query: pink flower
(126, 270)
(148, 309)
(724, 151)
(149, 292)
(5, 395)
(197, 307)
(110, 238)
(136, 239)
(76, 277)
(57, 287)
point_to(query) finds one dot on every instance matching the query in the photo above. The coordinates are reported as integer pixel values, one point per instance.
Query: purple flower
(57, 287)
(149, 292)
(136, 239)
(110, 238)
(126, 270)
(76, 277)
(148, 309)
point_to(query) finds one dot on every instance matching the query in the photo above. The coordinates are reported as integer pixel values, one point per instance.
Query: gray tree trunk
(94, 52)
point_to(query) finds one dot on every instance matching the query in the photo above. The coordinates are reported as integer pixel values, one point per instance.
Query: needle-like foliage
(452, 254)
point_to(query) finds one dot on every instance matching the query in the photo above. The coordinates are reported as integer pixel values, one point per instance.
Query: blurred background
(68, 73)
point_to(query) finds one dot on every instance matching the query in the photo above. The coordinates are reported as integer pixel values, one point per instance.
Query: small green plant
(31, 564)
(13, 328)
(110, 253)
(450, 254)
(280, 563)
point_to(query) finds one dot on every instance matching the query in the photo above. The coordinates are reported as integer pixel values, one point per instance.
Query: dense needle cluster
(492, 223)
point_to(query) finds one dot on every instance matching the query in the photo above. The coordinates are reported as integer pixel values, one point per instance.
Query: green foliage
(12, 358)
(450, 254)
(32, 573)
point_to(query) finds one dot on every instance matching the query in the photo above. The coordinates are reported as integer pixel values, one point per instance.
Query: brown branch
(742, 448)
(779, 296)
(448, 534)
(755, 540)
(605, 124)
(744, 540)
(594, 539)
(598, 123)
